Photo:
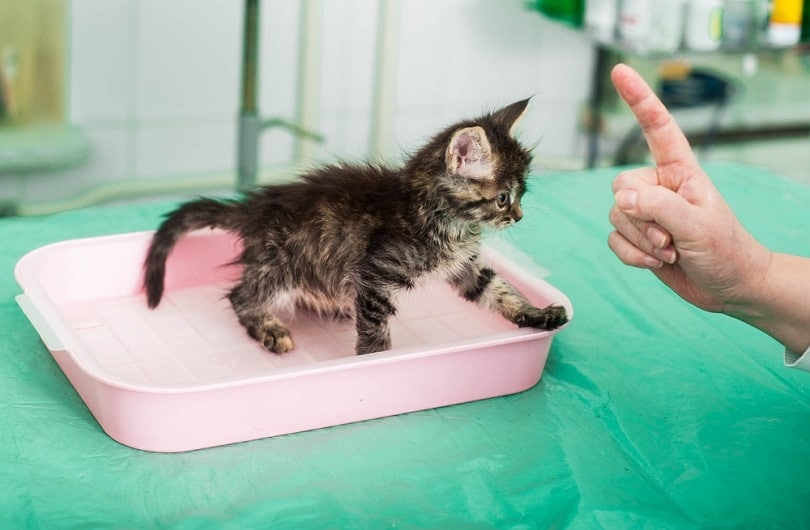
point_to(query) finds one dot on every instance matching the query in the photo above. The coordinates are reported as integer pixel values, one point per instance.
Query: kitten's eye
(502, 199)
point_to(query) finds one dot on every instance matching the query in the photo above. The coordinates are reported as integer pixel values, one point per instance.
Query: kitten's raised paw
(549, 318)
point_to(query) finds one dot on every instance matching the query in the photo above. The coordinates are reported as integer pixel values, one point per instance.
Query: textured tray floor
(193, 337)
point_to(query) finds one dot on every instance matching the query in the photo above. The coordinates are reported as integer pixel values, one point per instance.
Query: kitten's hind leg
(260, 324)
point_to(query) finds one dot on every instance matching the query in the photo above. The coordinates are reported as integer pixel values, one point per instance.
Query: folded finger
(630, 254)
(645, 235)
(659, 205)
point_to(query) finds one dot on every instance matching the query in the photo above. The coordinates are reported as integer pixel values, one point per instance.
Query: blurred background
(106, 100)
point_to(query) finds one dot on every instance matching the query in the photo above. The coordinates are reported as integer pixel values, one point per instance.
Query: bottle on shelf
(646, 26)
(703, 29)
(785, 22)
(600, 19)
(671, 26)
(742, 20)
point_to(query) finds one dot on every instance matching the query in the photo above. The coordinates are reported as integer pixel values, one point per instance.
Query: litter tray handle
(46, 331)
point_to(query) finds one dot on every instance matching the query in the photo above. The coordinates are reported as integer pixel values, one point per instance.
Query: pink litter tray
(186, 375)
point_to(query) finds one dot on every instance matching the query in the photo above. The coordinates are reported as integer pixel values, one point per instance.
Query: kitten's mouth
(501, 225)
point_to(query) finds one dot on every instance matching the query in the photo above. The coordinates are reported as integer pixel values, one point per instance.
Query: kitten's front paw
(549, 318)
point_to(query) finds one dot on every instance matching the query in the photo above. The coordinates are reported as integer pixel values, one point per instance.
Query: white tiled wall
(154, 85)
(100, 74)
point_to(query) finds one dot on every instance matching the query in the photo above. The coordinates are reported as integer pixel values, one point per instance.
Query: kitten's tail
(194, 215)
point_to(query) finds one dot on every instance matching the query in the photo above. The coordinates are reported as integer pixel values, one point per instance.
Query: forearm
(779, 305)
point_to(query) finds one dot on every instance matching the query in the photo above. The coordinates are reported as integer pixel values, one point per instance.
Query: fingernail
(626, 199)
(658, 239)
(652, 263)
(667, 255)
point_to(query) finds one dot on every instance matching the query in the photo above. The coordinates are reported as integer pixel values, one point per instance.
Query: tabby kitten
(344, 240)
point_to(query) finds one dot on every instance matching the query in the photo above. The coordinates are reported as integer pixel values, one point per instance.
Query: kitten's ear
(469, 154)
(510, 116)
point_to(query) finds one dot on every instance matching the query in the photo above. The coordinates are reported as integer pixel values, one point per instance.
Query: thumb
(656, 204)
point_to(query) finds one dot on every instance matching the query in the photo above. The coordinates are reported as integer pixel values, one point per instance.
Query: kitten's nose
(517, 212)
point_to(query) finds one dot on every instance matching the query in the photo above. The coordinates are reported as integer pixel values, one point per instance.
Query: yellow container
(785, 26)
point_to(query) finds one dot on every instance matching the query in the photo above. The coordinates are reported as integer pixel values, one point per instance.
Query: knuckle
(642, 243)
(614, 216)
(634, 178)
(622, 180)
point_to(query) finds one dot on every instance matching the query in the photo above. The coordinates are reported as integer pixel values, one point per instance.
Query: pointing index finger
(667, 143)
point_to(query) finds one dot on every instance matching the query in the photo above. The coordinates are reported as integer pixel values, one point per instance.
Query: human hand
(672, 220)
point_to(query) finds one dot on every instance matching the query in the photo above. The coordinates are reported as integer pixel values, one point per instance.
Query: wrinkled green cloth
(650, 413)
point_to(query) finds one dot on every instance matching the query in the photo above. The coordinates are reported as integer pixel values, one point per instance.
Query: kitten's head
(485, 167)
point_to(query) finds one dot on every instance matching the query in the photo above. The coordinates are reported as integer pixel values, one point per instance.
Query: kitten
(344, 240)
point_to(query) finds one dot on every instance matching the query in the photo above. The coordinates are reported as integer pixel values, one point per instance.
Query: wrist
(779, 304)
(749, 301)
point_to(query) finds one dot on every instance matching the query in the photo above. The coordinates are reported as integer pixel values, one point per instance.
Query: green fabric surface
(650, 413)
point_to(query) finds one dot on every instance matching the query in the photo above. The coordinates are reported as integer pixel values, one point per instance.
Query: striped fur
(344, 239)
